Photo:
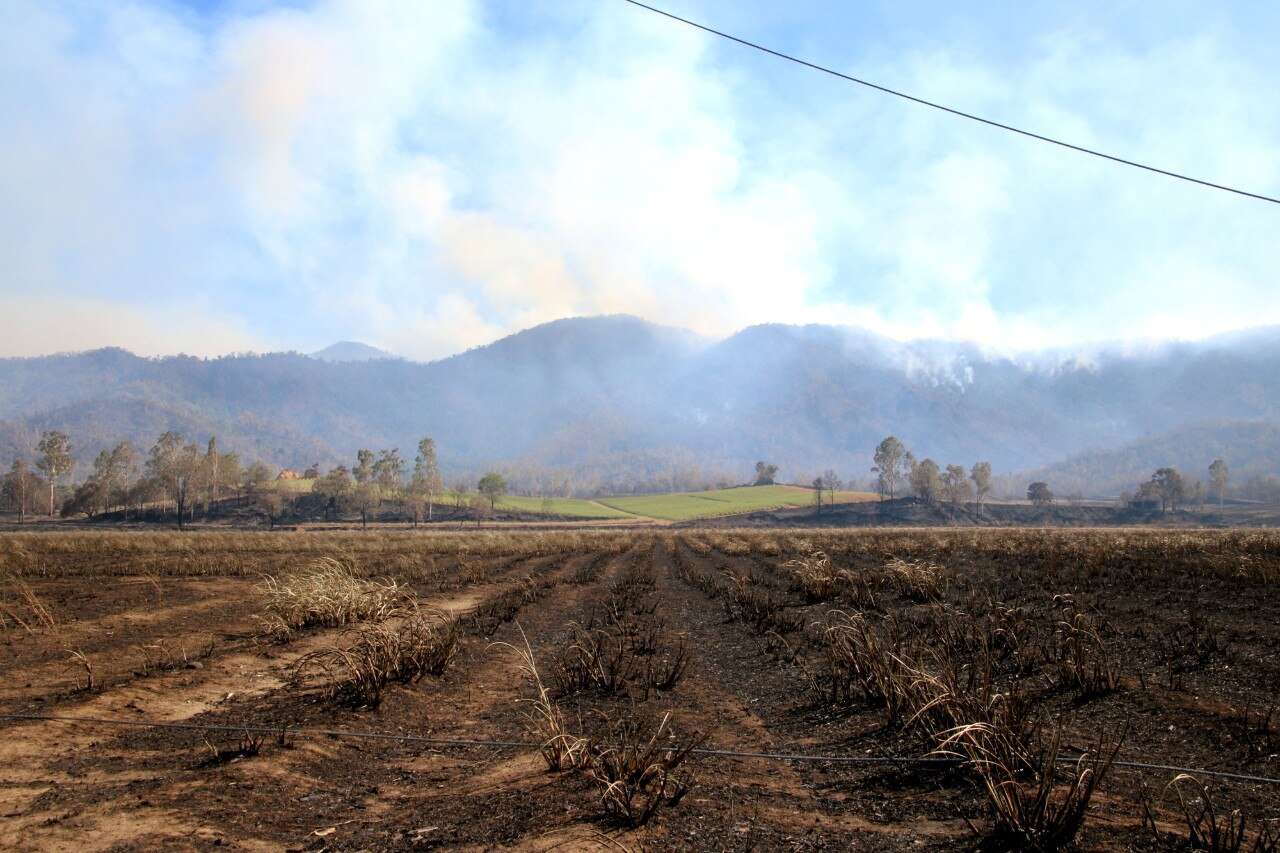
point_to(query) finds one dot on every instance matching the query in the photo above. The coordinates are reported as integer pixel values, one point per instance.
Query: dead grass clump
(758, 607)
(589, 571)
(327, 594)
(634, 766)
(813, 575)
(420, 644)
(17, 599)
(492, 614)
(248, 745)
(80, 661)
(162, 656)
(1210, 827)
(1082, 655)
(545, 721)
(619, 659)
(1043, 814)
(861, 658)
(636, 770)
(917, 580)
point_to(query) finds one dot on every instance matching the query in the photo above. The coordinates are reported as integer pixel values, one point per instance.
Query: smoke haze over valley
(609, 402)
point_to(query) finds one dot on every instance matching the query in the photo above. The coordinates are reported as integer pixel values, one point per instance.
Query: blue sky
(210, 177)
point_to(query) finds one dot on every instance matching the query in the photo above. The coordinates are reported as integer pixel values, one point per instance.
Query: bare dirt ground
(1190, 627)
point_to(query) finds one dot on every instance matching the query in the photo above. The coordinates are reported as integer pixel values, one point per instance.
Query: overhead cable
(961, 113)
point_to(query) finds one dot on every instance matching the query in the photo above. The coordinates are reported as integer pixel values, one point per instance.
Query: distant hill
(351, 351)
(619, 405)
(1250, 449)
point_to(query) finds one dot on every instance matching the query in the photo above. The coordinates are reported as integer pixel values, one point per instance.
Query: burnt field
(1027, 668)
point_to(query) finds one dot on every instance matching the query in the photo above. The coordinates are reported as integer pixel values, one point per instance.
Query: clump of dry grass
(1082, 655)
(814, 575)
(421, 643)
(326, 593)
(1210, 827)
(916, 579)
(620, 658)
(1044, 814)
(17, 598)
(79, 660)
(162, 656)
(636, 770)
(545, 721)
(248, 745)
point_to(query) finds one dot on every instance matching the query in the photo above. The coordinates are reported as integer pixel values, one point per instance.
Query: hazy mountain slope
(615, 397)
(1250, 448)
(351, 351)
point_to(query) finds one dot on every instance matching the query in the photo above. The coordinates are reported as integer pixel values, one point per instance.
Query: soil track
(86, 786)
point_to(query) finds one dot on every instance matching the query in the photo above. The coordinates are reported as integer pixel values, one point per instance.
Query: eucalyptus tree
(889, 458)
(54, 460)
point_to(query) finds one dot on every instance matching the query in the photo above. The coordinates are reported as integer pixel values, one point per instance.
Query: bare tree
(271, 503)
(832, 483)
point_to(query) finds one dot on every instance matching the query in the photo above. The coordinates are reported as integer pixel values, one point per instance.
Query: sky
(427, 176)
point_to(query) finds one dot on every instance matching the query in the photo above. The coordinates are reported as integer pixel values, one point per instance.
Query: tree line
(186, 479)
(897, 466)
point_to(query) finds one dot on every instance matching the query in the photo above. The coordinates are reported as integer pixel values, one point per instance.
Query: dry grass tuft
(326, 593)
(1212, 828)
(545, 721)
(814, 575)
(917, 580)
(79, 660)
(419, 644)
(636, 771)
(17, 598)
(1043, 814)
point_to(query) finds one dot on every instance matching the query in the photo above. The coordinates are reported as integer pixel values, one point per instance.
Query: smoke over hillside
(604, 402)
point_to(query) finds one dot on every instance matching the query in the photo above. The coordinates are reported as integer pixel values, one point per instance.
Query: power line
(507, 744)
(962, 114)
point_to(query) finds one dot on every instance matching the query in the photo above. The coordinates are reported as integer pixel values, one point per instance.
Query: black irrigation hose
(769, 756)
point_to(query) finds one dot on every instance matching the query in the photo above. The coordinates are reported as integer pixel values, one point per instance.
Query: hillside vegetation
(616, 405)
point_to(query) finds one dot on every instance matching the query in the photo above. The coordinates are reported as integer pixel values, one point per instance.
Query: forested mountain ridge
(613, 398)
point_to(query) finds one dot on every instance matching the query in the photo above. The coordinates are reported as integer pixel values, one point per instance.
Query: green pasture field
(674, 507)
(562, 506)
(687, 505)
